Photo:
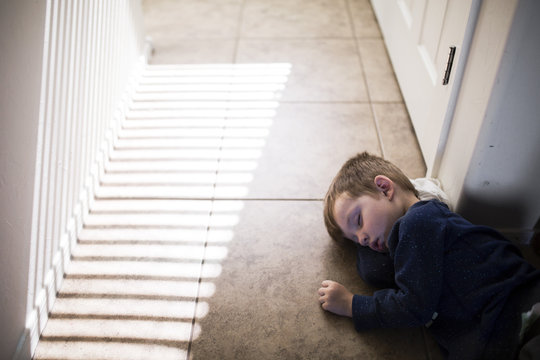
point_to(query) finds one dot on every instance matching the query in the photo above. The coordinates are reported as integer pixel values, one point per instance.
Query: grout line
(340, 102)
(212, 199)
(271, 199)
(315, 38)
(308, 102)
(256, 101)
(271, 38)
(372, 109)
(237, 38)
(199, 281)
(210, 213)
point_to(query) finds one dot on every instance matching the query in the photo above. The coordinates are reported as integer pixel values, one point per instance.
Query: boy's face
(367, 220)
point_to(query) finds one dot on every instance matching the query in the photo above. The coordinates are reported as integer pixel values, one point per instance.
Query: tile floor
(206, 238)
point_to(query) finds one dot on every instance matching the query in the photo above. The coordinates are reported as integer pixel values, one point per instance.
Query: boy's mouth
(377, 245)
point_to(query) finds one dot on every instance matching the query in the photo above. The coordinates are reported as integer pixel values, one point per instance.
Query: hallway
(206, 238)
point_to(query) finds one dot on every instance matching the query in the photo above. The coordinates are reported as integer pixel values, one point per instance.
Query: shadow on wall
(501, 214)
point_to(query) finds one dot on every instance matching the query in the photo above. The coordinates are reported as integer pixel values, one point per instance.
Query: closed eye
(359, 220)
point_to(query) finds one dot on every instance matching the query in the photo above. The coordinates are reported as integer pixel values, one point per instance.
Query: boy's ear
(385, 186)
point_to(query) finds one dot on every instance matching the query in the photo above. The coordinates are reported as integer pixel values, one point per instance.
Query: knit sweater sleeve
(376, 269)
(417, 245)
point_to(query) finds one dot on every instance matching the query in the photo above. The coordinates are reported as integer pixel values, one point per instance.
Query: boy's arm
(376, 269)
(418, 257)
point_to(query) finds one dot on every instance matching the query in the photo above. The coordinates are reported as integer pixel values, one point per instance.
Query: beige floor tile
(193, 51)
(136, 289)
(159, 220)
(178, 123)
(159, 179)
(171, 19)
(397, 134)
(107, 350)
(151, 206)
(165, 332)
(174, 123)
(168, 154)
(171, 143)
(381, 81)
(256, 86)
(187, 132)
(150, 270)
(147, 252)
(321, 70)
(266, 306)
(364, 20)
(188, 234)
(306, 146)
(194, 112)
(191, 166)
(155, 192)
(254, 107)
(140, 309)
(295, 18)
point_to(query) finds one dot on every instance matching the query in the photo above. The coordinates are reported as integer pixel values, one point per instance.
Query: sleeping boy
(467, 284)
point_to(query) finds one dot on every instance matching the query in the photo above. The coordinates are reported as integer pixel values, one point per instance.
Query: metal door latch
(449, 65)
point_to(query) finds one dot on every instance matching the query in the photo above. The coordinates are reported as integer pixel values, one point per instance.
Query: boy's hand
(335, 298)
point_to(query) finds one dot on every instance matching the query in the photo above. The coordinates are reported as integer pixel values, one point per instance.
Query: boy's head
(356, 178)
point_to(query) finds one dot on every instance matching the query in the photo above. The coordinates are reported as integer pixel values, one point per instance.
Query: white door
(419, 35)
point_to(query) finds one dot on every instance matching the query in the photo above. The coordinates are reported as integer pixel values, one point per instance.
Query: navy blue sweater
(451, 276)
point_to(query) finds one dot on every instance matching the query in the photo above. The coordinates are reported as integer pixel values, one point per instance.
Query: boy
(467, 284)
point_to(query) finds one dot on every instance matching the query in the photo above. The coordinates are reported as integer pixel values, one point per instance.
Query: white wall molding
(94, 54)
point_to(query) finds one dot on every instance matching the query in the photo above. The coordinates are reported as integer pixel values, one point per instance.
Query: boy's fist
(335, 298)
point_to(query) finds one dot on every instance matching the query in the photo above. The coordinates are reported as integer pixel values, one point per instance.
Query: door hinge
(449, 65)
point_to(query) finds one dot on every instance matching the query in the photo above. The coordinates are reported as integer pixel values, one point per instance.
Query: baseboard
(519, 236)
(23, 350)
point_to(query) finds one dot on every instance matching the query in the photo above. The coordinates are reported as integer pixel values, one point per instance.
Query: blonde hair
(356, 178)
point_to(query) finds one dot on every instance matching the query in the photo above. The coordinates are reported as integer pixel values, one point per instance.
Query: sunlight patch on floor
(146, 262)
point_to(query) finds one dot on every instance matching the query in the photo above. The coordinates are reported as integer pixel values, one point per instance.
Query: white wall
(21, 46)
(501, 185)
(487, 47)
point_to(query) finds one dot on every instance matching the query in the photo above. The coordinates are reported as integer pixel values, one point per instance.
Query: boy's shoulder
(427, 210)
(433, 218)
(423, 219)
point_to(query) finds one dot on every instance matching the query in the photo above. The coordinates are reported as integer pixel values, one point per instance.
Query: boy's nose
(363, 239)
